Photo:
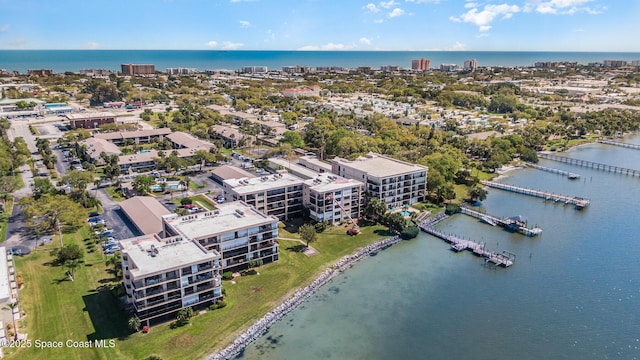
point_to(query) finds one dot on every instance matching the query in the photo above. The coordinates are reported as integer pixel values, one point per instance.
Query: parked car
(96, 223)
(94, 219)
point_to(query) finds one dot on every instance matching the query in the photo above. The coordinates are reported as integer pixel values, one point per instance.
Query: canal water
(573, 293)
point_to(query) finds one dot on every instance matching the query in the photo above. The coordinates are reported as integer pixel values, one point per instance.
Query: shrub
(227, 275)
(186, 201)
(409, 232)
(221, 304)
(248, 272)
(321, 226)
(452, 209)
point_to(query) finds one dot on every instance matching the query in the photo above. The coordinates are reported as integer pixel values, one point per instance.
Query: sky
(413, 25)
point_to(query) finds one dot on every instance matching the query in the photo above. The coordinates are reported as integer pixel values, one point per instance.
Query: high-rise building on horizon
(471, 64)
(138, 69)
(421, 64)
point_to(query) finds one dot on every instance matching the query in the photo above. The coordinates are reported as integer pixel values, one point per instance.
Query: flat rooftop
(132, 134)
(264, 183)
(380, 166)
(90, 115)
(314, 161)
(5, 291)
(227, 217)
(326, 182)
(152, 255)
(293, 168)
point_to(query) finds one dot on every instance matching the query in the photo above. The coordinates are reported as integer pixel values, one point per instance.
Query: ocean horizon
(76, 60)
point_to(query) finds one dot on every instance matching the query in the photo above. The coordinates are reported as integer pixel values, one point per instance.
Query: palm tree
(134, 323)
(72, 265)
(116, 262)
(12, 306)
(97, 183)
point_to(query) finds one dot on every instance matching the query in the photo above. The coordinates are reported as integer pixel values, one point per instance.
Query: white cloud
(372, 8)
(4, 28)
(484, 18)
(91, 45)
(562, 7)
(378, 21)
(423, 1)
(244, 24)
(388, 4)
(329, 46)
(212, 44)
(364, 40)
(458, 46)
(396, 12)
(228, 45)
(470, 5)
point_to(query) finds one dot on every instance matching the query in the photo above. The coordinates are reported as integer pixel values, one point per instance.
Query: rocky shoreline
(270, 318)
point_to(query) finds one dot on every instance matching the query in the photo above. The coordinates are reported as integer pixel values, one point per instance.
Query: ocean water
(75, 60)
(573, 293)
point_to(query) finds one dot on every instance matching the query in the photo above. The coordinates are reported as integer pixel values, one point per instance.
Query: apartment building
(138, 69)
(393, 181)
(279, 194)
(333, 198)
(471, 64)
(235, 230)
(162, 276)
(138, 137)
(90, 120)
(421, 64)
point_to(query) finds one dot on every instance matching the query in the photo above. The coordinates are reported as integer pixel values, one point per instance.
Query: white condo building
(235, 230)
(278, 194)
(393, 181)
(162, 276)
(333, 198)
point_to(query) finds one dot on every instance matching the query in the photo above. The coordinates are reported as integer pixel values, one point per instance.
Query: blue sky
(508, 25)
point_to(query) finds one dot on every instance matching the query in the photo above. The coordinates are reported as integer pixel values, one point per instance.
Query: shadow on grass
(107, 317)
(297, 248)
(383, 232)
(178, 324)
(293, 225)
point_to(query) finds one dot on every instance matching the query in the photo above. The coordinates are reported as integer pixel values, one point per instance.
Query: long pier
(618, 143)
(590, 164)
(507, 223)
(505, 258)
(570, 175)
(578, 202)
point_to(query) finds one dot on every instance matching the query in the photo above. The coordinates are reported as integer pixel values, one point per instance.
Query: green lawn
(117, 196)
(4, 218)
(58, 309)
(204, 200)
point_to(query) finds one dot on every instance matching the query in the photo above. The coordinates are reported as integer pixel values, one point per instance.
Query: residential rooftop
(132, 134)
(380, 166)
(252, 185)
(90, 115)
(326, 182)
(145, 212)
(292, 167)
(226, 218)
(95, 146)
(150, 254)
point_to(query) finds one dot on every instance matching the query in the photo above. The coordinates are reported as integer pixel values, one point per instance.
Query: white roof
(326, 182)
(293, 168)
(5, 291)
(151, 255)
(227, 217)
(380, 166)
(251, 185)
(90, 115)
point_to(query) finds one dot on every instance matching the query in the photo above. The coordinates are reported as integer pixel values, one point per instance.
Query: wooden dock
(570, 175)
(507, 223)
(618, 143)
(504, 259)
(590, 164)
(578, 202)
